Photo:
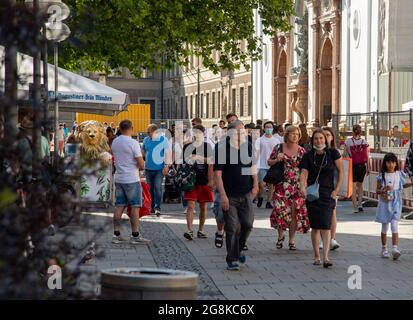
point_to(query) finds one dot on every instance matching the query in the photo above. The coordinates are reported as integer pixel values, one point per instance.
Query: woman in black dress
(318, 166)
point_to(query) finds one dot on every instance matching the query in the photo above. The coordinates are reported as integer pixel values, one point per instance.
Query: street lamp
(55, 31)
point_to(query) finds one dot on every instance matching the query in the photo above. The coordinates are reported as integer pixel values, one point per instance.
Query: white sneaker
(118, 239)
(139, 240)
(395, 254)
(334, 244)
(385, 253)
(355, 210)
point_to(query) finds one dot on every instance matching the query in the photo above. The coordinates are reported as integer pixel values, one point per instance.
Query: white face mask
(320, 148)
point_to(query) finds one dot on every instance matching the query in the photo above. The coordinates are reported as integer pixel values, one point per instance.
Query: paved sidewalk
(269, 273)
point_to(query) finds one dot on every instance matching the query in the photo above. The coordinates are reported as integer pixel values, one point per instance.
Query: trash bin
(148, 284)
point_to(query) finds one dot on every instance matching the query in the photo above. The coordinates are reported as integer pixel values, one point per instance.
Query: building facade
(343, 57)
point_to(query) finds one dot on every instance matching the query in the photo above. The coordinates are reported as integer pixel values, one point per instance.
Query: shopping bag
(346, 189)
(146, 202)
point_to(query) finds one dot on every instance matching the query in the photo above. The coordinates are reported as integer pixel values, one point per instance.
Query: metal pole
(374, 126)
(390, 92)
(45, 76)
(378, 131)
(198, 111)
(411, 124)
(56, 100)
(10, 82)
(162, 106)
(36, 93)
(11, 110)
(46, 122)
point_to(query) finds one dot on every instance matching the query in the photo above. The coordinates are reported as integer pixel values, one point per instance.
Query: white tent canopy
(76, 93)
(407, 106)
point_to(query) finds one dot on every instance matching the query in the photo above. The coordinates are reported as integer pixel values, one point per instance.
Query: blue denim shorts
(261, 174)
(128, 194)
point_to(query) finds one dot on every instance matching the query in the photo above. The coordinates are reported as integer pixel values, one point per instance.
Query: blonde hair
(289, 130)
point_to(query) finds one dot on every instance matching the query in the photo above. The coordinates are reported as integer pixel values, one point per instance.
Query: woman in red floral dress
(289, 205)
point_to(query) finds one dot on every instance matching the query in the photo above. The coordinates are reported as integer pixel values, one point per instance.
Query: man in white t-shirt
(264, 146)
(128, 160)
(358, 149)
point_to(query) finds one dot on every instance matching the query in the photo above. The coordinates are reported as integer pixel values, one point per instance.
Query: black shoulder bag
(275, 173)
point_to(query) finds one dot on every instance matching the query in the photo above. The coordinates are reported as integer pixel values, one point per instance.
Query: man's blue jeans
(154, 180)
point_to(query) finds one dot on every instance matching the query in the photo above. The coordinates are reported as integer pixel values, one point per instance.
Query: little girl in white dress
(390, 184)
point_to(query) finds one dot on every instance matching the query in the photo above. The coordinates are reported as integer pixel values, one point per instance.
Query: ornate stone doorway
(325, 83)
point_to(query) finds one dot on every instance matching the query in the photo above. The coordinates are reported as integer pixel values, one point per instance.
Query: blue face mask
(268, 131)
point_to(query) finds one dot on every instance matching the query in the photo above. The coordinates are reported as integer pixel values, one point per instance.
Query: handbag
(185, 177)
(275, 173)
(313, 191)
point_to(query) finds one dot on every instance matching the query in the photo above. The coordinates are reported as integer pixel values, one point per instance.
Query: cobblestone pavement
(269, 273)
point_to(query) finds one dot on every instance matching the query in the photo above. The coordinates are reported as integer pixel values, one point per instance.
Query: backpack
(185, 177)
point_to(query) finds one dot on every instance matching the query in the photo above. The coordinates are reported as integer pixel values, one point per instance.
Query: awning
(76, 93)
(407, 106)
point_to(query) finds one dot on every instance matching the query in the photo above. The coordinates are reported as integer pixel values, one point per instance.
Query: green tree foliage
(107, 34)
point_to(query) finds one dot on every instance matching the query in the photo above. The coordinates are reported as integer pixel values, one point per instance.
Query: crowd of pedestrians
(232, 166)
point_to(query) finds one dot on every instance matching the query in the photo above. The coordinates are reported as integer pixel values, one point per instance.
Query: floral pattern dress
(287, 195)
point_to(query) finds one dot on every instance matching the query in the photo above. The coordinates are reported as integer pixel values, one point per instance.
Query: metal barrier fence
(385, 132)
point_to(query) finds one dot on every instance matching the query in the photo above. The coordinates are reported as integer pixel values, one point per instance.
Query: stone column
(335, 99)
(274, 68)
(314, 117)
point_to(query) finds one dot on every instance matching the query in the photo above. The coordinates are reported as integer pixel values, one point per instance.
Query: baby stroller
(172, 193)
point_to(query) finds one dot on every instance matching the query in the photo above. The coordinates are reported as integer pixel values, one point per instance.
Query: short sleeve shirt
(155, 152)
(355, 142)
(125, 151)
(313, 162)
(236, 168)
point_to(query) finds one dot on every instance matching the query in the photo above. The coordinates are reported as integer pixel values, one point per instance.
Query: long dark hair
(333, 142)
(389, 157)
(319, 131)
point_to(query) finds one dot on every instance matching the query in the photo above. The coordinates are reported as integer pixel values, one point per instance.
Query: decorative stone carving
(301, 47)
(382, 37)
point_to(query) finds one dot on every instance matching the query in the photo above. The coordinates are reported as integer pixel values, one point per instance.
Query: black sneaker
(244, 248)
(259, 202)
(268, 206)
(361, 209)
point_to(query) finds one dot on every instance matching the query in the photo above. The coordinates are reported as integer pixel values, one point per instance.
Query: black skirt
(320, 212)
